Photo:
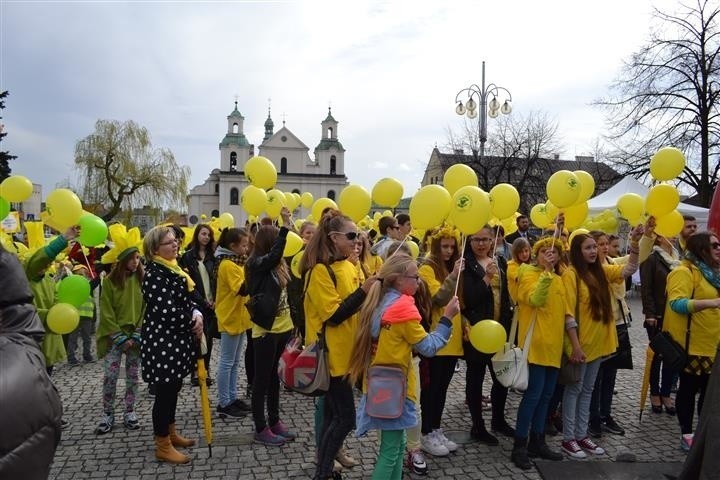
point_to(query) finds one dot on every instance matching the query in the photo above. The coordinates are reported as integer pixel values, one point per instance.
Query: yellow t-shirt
(372, 266)
(233, 317)
(512, 278)
(538, 292)
(454, 346)
(597, 338)
(322, 299)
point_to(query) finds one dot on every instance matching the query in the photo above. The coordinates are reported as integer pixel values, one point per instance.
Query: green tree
(667, 94)
(5, 157)
(120, 170)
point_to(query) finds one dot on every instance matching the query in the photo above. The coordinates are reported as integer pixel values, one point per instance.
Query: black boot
(519, 455)
(481, 434)
(501, 426)
(537, 447)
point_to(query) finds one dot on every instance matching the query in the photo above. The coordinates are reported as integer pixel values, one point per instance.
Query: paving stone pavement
(130, 454)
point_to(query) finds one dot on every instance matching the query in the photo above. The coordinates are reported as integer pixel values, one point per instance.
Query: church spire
(269, 125)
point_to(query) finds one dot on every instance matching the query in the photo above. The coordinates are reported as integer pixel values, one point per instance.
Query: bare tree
(667, 94)
(119, 169)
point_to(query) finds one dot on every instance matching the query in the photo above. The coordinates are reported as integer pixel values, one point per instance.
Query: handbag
(510, 364)
(569, 371)
(386, 391)
(673, 355)
(305, 370)
(622, 358)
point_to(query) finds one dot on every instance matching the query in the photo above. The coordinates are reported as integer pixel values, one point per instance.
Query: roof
(234, 139)
(328, 143)
(236, 113)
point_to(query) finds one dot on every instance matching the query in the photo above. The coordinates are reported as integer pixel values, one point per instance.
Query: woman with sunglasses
(333, 296)
(692, 316)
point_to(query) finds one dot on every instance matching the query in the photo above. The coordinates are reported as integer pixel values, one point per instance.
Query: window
(283, 165)
(331, 194)
(333, 165)
(233, 161)
(215, 213)
(330, 132)
(234, 196)
(235, 128)
(295, 190)
(217, 188)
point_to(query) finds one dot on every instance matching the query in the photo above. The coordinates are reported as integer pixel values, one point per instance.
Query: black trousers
(249, 357)
(266, 384)
(474, 378)
(339, 420)
(434, 392)
(690, 386)
(163, 412)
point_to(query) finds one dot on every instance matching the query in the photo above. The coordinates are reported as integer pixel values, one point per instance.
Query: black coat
(30, 407)
(189, 263)
(653, 280)
(478, 299)
(262, 284)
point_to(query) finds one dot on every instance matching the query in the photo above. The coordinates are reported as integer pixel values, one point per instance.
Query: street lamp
(491, 108)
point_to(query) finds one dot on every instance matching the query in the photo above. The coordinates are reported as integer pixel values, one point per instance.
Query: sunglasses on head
(348, 235)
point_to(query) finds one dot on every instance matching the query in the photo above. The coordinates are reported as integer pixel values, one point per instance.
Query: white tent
(608, 199)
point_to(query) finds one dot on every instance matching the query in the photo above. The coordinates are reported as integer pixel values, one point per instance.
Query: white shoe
(449, 444)
(430, 444)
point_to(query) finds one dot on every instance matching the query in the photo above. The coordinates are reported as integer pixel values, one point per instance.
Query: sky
(390, 70)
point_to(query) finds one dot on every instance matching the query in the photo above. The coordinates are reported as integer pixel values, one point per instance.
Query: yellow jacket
(597, 338)
(454, 346)
(687, 281)
(322, 298)
(512, 278)
(233, 318)
(537, 293)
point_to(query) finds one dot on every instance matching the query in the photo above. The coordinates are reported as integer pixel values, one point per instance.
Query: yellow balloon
(661, 200)
(630, 207)
(320, 205)
(551, 211)
(290, 201)
(260, 172)
(354, 201)
(538, 216)
(275, 203)
(563, 188)
(667, 163)
(430, 206)
(457, 176)
(669, 225)
(64, 206)
(307, 199)
(295, 263)
(253, 200)
(377, 216)
(509, 224)
(470, 209)
(576, 215)
(293, 244)
(488, 336)
(298, 223)
(63, 318)
(587, 185)
(387, 192)
(226, 220)
(578, 231)
(504, 200)
(252, 218)
(414, 248)
(16, 188)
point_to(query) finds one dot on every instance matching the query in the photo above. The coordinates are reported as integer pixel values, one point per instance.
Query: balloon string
(462, 252)
(495, 246)
(398, 247)
(87, 262)
(557, 233)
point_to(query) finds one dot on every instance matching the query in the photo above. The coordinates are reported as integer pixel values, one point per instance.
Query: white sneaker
(449, 444)
(430, 444)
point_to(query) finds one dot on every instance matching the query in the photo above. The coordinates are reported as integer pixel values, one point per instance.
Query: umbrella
(204, 401)
(649, 355)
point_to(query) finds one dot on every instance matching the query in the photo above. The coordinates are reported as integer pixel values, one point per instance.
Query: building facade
(323, 175)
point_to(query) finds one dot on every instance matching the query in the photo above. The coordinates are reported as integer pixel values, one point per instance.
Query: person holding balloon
(590, 328)
(389, 331)
(485, 295)
(520, 253)
(440, 272)
(172, 326)
(121, 315)
(539, 283)
(266, 277)
(334, 294)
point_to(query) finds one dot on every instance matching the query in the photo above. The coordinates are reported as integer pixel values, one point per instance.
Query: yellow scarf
(174, 267)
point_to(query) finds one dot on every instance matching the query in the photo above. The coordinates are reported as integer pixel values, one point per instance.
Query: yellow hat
(547, 242)
(125, 242)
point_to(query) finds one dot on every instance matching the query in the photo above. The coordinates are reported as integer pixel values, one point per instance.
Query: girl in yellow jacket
(333, 295)
(233, 318)
(389, 330)
(591, 332)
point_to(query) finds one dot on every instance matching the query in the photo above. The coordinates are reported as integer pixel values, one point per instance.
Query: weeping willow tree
(120, 170)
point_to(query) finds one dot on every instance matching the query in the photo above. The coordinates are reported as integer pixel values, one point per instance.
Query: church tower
(330, 154)
(234, 148)
(269, 125)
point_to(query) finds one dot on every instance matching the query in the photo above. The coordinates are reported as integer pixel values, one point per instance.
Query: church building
(322, 176)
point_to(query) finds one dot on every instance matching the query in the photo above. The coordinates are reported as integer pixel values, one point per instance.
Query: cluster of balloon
(72, 291)
(567, 193)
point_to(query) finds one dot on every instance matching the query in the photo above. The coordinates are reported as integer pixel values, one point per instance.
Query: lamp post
(487, 97)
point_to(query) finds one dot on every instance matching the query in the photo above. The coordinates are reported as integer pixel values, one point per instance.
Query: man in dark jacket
(30, 404)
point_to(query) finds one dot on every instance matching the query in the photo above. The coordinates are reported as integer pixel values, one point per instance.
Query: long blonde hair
(394, 268)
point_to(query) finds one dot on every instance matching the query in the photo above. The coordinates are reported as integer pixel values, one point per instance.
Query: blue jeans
(576, 402)
(533, 408)
(231, 351)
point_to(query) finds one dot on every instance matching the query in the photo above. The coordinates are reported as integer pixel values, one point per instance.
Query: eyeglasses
(715, 245)
(480, 240)
(348, 235)
(169, 242)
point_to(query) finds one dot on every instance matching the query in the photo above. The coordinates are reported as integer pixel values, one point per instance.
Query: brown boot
(165, 452)
(346, 460)
(178, 440)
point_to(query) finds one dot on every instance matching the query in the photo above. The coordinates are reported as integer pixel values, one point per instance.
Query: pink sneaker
(281, 430)
(572, 449)
(267, 437)
(590, 446)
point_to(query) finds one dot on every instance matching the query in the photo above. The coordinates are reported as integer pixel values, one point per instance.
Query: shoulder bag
(622, 358)
(511, 363)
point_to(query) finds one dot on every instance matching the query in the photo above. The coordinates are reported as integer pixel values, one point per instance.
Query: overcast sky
(390, 70)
